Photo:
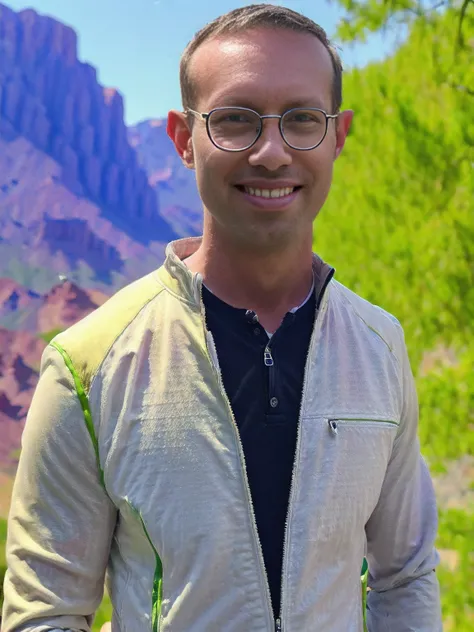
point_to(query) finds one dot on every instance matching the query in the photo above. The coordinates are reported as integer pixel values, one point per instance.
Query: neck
(269, 283)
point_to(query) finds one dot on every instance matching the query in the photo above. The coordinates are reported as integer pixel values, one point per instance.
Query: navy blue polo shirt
(263, 379)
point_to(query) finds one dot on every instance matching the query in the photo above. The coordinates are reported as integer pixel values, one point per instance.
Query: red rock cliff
(55, 101)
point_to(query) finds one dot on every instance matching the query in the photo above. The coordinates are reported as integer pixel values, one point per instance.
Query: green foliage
(399, 229)
(103, 614)
(399, 225)
(367, 16)
(362, 17)
(446, 399)
(456, 533)
(401, 204)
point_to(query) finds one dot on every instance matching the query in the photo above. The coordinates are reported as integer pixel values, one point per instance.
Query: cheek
(214, 171)
(320, 166)
(205, 165)
(211, 181)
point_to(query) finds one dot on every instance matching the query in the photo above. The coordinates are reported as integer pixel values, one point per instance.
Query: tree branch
(462, 15)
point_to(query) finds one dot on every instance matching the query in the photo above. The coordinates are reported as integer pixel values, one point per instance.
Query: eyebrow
(234, 101)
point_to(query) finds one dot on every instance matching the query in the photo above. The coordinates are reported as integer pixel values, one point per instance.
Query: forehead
(263, 68)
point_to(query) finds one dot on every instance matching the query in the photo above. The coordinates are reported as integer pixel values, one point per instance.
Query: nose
(270, 150)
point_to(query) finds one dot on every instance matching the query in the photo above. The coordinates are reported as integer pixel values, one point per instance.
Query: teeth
(269, 193)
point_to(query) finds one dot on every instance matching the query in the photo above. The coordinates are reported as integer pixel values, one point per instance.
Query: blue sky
(136, 44)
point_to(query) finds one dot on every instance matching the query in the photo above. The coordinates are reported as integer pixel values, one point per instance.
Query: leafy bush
(456, 533)
(446, 398)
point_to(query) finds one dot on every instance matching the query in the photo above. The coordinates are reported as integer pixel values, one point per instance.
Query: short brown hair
(249, 17)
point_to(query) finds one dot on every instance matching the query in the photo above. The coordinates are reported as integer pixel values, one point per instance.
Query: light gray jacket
(131, 461)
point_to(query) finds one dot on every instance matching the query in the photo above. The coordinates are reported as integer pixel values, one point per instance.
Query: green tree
(399, 229)
(362, 17)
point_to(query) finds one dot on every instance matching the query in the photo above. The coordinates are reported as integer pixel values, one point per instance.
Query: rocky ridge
(20, 350)
(51, 98)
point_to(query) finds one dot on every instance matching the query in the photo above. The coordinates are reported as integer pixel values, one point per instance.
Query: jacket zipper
(243, 467)
(284, 573)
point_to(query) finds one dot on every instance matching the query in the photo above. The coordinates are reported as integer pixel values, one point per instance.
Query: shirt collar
(178, 278)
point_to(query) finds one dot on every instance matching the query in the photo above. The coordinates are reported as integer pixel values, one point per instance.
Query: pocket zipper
(333, 422)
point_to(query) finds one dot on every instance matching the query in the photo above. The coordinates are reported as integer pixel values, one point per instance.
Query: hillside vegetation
(399, 223)
(399, 229)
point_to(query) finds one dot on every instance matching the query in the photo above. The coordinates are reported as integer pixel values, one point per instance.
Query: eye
(305, 117)
(236, 118)
(301, 118)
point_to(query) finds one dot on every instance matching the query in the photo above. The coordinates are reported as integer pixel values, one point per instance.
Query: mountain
(20, 355)
(65, 304)
(173, 183)
(13, 296)
(74, 197)
(59, 308)
(18, 306)
(22, 315)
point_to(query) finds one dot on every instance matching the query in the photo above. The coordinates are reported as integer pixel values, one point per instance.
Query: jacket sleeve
(401, 532)
(61, 520)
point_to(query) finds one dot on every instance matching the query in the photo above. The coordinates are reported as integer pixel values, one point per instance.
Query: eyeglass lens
(237, 129)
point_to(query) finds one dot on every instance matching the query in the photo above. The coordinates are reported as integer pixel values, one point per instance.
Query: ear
(179, 132)
(343, 125)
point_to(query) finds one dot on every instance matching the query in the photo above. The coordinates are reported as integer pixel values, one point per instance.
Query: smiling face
(269, 71)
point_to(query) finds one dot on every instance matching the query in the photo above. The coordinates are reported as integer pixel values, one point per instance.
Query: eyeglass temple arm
(200, 114)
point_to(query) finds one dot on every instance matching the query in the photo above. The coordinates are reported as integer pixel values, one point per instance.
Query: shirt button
(256, 331)
(274, 402)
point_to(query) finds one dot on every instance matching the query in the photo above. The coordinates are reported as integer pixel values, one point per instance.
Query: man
(232, 434)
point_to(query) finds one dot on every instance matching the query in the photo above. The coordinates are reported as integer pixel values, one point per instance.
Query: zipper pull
(333, 425)
(278, 625)
(267, 357)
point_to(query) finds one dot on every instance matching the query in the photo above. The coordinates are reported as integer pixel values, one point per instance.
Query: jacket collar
(177, 277)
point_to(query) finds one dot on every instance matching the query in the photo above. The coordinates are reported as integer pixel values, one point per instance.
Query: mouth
(269, 194)
(276, 199)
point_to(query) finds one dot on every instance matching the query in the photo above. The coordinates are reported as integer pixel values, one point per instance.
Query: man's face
(269, 71)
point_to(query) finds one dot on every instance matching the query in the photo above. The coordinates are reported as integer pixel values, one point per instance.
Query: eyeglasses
(238, 129)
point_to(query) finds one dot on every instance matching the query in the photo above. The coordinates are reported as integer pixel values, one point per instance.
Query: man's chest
(171, 442)
(262, 375)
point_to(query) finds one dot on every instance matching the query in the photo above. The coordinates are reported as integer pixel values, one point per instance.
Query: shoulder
(85, 344)
(368, 315)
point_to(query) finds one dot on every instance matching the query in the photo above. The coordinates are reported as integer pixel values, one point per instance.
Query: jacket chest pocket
(349, 464)
(360, 444)
(360, 449)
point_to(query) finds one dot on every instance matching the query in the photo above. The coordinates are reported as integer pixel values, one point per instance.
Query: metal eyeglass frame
(206, 117)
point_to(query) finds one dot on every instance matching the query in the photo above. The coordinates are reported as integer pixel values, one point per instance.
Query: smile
(270, 199)
(269, 193)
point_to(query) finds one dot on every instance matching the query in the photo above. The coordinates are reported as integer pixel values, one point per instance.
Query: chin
(271, 238)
